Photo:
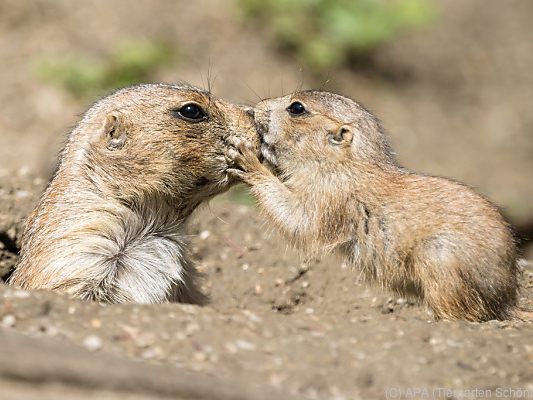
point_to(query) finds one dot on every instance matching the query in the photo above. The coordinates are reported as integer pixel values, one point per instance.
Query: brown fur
(340, 188)
(110, 226)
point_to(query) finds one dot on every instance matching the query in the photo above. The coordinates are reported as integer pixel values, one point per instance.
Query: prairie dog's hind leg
(456, 285)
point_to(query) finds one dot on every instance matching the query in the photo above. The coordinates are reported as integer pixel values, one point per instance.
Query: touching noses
(266, 128)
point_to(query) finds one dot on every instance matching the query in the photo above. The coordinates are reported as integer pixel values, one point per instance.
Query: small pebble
(92, 343)
(191, 328)
(51, 330)
(231, 348)
(154, 352)
(96, 323)
(23, 171)
(245, 345)
(252, 317)
(21, 294)
(200, 356)
(189, 309)
(145, 339)
(303, 268)
(11, 233)
(22, 194)
(9, 321)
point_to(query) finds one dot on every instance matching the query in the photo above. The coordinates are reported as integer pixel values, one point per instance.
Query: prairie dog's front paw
(249, 168)
(235, 146)
(234, 141)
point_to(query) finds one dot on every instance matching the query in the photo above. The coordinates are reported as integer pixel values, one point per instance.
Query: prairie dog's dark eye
(191, 112)
(296, 108)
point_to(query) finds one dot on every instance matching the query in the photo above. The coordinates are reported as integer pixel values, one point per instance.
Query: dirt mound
(273, 322)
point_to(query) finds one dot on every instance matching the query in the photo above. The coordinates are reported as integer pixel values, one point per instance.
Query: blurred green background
(126, 64)
(321, 34)
(329, 33)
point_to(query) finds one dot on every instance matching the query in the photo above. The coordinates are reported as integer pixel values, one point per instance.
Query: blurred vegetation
(127, 64)
(328, 33)
(239, 194)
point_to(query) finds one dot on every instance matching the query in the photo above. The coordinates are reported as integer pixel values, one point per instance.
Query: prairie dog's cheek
(269, 154)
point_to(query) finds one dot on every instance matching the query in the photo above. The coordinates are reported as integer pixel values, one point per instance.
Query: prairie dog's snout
(266, 130)
(244, 129)
(262, 121)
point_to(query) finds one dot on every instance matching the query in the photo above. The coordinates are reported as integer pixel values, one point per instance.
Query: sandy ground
(456, 99)
(273, 323)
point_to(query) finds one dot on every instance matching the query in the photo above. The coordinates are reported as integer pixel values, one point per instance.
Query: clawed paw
(237, 173)
(248, 167)
(244, 157)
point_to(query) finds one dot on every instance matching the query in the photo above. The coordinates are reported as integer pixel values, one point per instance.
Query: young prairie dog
(338, 187)
(110, 226)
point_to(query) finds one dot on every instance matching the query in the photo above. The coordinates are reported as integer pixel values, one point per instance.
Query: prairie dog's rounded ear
(249, 110)
(114, 131)
(343, 134)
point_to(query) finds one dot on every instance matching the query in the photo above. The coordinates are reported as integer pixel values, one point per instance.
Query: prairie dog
(110, 226)
(338, 187)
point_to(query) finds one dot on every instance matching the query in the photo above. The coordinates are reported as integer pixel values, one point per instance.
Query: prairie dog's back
(441, 205)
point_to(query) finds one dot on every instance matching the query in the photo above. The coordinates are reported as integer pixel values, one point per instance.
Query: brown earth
(456, 98)
(273, 322)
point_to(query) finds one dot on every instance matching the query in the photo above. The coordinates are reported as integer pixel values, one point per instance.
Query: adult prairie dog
(338, 187)
(111, 225)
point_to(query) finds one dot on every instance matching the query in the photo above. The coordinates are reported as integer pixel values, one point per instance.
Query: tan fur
(111, 224)
(340, 188)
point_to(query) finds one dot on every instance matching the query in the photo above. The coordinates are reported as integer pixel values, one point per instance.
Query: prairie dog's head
(320, 127)
(161, 138)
